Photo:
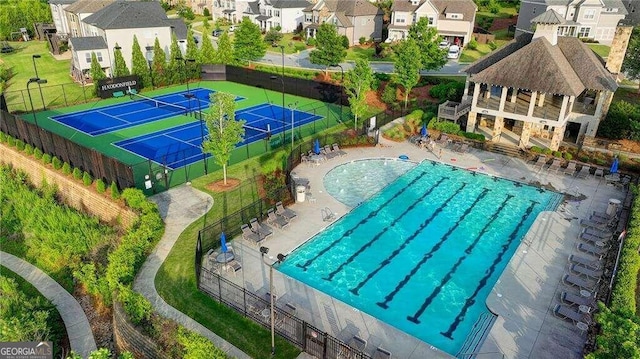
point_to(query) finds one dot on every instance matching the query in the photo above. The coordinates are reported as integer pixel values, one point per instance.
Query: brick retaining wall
(73, 193)
(128, 338)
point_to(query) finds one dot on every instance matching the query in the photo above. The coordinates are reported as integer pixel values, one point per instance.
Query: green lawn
(469, 55)
(291, 46)
(602, 50)
(630, 95)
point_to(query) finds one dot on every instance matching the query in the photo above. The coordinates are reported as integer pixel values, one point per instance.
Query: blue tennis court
(181, 145)
(107, 119)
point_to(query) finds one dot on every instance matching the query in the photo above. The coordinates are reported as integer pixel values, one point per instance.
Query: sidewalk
(178, 207)
(78, 328)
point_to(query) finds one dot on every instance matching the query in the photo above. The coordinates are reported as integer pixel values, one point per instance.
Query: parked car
(454, 52)
(444, 44)
(217, 32)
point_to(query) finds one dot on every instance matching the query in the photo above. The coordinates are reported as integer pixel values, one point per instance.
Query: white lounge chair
(555, 166)
(337, 150)
(540, 162)
(584, 171)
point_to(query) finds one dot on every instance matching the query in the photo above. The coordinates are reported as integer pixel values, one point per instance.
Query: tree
(207, 52)
(119, 65)
(248, 44)
(193, 69)
(357, 82)
(158, 65)
(407, 66)
(427, 39)
(619, 335)
(329, 50)
(173, 67)
(97, 73)
(224, 130)
(224, 54)
(15, 14)
(631, 64)
(139, 65)
(621, 122)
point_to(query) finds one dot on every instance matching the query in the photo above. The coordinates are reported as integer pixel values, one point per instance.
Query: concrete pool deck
(523, 298)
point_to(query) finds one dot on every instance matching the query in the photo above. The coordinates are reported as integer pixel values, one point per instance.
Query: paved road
(78, 328)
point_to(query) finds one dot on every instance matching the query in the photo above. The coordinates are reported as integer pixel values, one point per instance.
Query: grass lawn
(630, 95)
(602, 50)
(175, 281)
(469, 55)
(357, 52)
(291, 46)
(60, 87)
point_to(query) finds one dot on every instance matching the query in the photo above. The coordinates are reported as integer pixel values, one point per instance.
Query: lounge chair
(564, 312)
(571, 168)
(381, 354)
(443, 140)
(285, 212)
(584, 171)
(263, 230)
(461, 148)
(575, 281)
(589, 263)
(602, 233)
(573, 299)
(233, 267)
(595, 224)
(337, 150)
(589, 273)
(328, 152)
(277, 221)
(249, 235)
(604, 216)
(358, 343)
(555, 165)
(590, 238)
(290, 308)
(540, 162)
(588, 248)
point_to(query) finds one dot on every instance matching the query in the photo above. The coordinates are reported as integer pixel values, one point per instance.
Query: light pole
(341, 88)
(280, 258)
(150, 61)
(204, 155)
(38, 81)
(292, 108)
(35, 68)
(188, 95)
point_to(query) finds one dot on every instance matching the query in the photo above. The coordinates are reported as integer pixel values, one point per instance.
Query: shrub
(100, 186)
(382, 77)
(473, 136)
(535, 149)
(20, 145)
(389, 94)
(205, 12)
(447, 91)
(11, 141)
(567, 156)
(547, 151)
(494, 7)
(28, 149)
(345, 41)
(46, 158)
(299, 46)
(272, 36)
(473, 44)
(556, 154)
(445, 126)
(56, 162)
(196, 346)
(135, 305)
(77, 173)
(115, 193)
(3, 137)
(362, 40)
(37, 153)
(395, 133)
(492, 45)
(66, 168)
(86, 178)
(311, 41)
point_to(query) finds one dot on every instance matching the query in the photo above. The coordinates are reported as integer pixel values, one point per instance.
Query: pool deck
(523, 298)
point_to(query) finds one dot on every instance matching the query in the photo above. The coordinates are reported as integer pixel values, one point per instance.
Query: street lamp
(204, 155)
(38, 81)
(283, 119)
(150, 61)
(113, 62)
(341, 88)
(35, 68)
(188, 95)
(280, 259)
(292, 108)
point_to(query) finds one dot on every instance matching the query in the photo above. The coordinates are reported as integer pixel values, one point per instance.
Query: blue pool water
(423, 254)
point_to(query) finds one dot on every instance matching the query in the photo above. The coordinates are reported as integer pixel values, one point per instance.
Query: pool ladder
(327, 215)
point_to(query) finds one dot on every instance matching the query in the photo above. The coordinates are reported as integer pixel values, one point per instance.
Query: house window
(87, 57)
(454, 16)
(99, 55)
(589, 14)
(276, 12)
(431, 20)
(584, 32)
(415, 18)
(400, 19)
(610, 9)
(415, 2)
(307, 17)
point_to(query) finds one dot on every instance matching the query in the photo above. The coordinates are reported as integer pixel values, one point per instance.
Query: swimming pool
(423, 254)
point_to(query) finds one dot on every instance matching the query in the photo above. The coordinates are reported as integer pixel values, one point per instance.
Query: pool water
(422, 254)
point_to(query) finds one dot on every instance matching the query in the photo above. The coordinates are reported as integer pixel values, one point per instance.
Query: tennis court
(141, 110)
(181, 145)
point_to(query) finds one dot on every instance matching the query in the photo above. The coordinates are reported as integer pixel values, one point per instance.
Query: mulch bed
(219, 186)
(503, 23)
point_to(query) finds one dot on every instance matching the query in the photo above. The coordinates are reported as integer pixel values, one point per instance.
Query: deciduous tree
(427, 39)
(329, 50)
(247, 43)
(631, 64)
(225, 132)
(407, 66)
(357, 82)
(139, 65)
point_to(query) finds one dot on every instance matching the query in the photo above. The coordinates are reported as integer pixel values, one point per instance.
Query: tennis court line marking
(186, 126)
(135, 124)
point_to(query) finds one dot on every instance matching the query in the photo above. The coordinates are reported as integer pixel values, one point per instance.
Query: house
(198, 6)
(80, 10)
(355, 19)
(454, 19)
(540, 85)
(232, 10)
(590, 19)
(117, 23)
(81, 50)
(288, 14)
(58, 15)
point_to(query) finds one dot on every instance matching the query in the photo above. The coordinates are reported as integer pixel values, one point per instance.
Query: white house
(81, 50)
(288, 14)
(59, 17)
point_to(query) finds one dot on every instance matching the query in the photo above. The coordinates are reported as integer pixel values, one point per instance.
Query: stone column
(563, 108)
(532, 103)
(526, 133)
(498, 124)
(471, 121)
(466, 87)
(514, 95)
(541, 100)
(503, 98)
(618, 48)
(558, 133)
(476, 94)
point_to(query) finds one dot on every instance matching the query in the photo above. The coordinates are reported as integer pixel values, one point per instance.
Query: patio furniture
(555, 165)
(381, 354)
(233, 267)
(593, 263)
(251, 236)
(573, 299)
(598, 251)
(584, 171)
(589, 273)
(571, 168)
(337, 150)
(358, 343)
(285, 212)
(277, 221)
(263, 230)
(564, 312)
(540, 162)
(575, 281)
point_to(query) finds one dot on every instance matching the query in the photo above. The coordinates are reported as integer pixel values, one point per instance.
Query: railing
(479, 332)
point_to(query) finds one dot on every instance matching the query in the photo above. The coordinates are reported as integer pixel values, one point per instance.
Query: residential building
(288, 14)
(355, 19)
(540, 85)
(81, 50)
(198, 6)
(80, 10)
(59, 16)
(232, 10)
(117, 23)
(454, 19)
(588, 19)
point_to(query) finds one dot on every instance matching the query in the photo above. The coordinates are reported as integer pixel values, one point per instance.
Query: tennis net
(159, 104)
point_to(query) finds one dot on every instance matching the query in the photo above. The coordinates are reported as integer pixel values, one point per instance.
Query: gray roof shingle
(62, 2)
(405, 5)
(88, 43)
(88, 6)
(633, 12)
(549, 17)
(179, 28)
(290, 4)
(128, 15)
(465, 7)
(352, 7)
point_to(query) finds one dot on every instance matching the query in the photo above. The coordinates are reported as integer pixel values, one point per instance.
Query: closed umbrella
(614, 166)
(316, 146)
(223, 245)
(424, 131)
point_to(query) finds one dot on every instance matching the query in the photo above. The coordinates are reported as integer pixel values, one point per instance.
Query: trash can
(612, 208)
(301, 192)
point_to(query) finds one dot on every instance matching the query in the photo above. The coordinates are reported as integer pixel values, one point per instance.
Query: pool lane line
(488, 273)
(355, 290)
(427, 302)
(381, 233)
(429, 254)
(363, 221)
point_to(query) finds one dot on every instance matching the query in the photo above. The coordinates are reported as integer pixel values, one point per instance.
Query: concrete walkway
(78, 328)
(179, 207)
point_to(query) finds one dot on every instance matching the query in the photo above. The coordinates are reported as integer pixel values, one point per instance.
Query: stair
(505, 149)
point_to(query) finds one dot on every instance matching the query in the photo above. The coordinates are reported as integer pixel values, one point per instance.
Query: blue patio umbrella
(614, 166)
(223, 243)
(424, 131)
(316, 146)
